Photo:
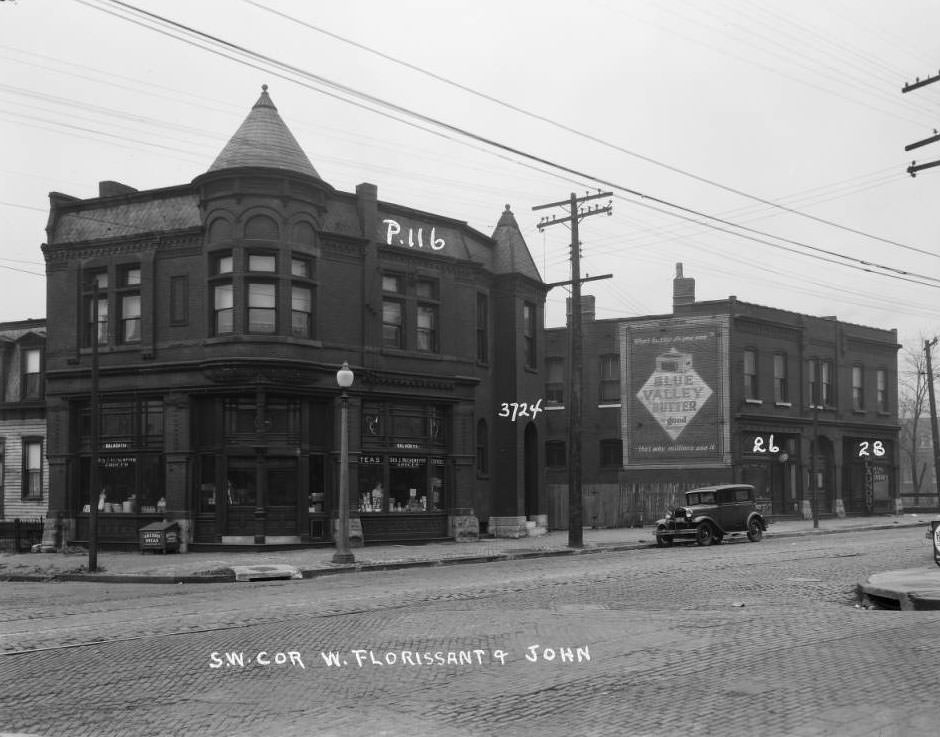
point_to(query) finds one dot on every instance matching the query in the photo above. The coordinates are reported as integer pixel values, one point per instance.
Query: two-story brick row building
(220, 311)
(723, 391)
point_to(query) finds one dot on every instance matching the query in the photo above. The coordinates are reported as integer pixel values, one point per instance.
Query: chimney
(683, 290)
(587, 307)
(112, 189)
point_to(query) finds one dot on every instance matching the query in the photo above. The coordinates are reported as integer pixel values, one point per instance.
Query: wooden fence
(615, 505)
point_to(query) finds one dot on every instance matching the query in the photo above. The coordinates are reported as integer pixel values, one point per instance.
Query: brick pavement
(672, 652)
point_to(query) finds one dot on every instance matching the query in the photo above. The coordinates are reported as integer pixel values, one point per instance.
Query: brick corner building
(219, 312)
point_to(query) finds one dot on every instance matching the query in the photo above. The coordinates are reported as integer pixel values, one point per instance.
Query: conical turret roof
(264, 140)
(512, 254)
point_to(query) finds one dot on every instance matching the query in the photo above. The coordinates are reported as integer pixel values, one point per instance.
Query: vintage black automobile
(710, 513)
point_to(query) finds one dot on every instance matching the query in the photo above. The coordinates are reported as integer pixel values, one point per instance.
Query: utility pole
(915, 167)
(928, 344)
(575, 371)
(93, 412)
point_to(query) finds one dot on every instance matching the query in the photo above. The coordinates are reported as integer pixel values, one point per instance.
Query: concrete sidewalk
(135, 567)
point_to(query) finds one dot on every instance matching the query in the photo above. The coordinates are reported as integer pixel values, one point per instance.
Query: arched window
(303, 233)
(220, 229)
(261, 227)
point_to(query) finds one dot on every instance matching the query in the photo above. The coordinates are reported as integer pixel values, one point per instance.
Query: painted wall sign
(674, 392)
(411, 237)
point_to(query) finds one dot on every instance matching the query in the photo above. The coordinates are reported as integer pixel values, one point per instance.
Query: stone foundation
(464, 528)
(514, 527)
(537, 525)
(807, 509)
(839, 508)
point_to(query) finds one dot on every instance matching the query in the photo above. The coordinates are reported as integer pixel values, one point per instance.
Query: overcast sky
(785, 118)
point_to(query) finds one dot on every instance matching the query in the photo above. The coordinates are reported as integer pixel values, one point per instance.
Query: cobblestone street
(733, 639)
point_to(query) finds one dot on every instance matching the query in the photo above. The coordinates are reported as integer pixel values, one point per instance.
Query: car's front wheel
(754, 531)
(704, 534)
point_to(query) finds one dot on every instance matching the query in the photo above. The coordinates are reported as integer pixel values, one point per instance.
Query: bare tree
(914, 413)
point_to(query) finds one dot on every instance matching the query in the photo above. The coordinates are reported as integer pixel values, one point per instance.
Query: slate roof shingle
(512, 254)
(264, 140)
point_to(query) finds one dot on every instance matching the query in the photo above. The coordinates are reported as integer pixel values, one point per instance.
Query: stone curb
(229, 575)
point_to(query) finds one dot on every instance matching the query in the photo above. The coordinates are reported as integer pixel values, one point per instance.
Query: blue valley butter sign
(672, 411)
(674, 393)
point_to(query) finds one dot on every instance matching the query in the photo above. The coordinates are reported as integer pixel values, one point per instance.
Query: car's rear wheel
(704, 534)
(663, 541)
(754, 531)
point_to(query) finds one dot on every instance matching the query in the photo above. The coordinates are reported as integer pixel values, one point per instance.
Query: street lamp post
(93, 490)
(344, 377)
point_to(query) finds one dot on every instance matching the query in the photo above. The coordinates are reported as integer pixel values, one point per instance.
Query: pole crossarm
(917, 144)
(575, 213)
(581, 280)
(915, 167)
(908, 87)
(565, 203)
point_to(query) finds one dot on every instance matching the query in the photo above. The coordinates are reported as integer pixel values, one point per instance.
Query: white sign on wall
(674, 393)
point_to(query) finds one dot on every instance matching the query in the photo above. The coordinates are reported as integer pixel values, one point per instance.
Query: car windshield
(701, 497)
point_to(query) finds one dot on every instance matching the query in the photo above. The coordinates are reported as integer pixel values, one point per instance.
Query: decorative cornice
(63, 253)
(409, 381)
(274, 375)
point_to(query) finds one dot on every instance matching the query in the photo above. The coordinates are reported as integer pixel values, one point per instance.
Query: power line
(583, 134)
(871, 267)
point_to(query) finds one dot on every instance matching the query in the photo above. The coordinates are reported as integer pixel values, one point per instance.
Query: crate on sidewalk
(163, 536)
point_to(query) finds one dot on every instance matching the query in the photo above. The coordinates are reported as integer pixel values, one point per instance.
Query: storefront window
(436, 497)
(124, 424)
(372, 496)
(317, 496)
(408, 484)
(241, 487)
(207, 498)
(283, 417)
(282, 482)
(128, 482)
(240, 417)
